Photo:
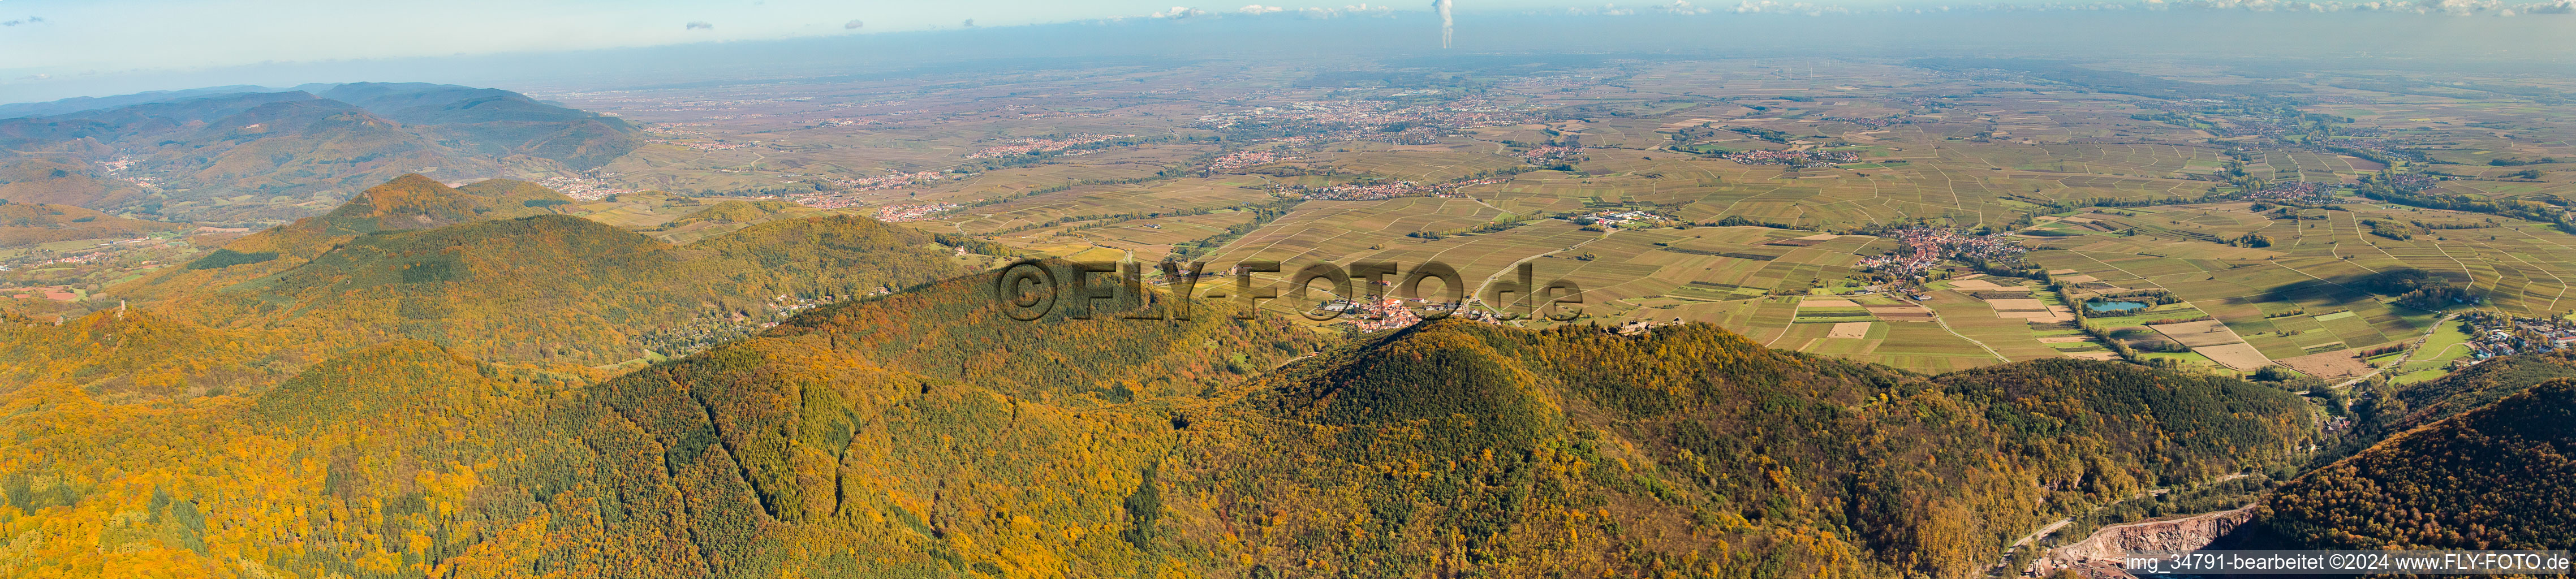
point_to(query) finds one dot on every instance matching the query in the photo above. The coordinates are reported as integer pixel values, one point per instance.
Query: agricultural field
(1764, 187)
(2300, 230)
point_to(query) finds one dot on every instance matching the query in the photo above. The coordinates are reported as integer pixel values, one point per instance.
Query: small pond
(2114, 306)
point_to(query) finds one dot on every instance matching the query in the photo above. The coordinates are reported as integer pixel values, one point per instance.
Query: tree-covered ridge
(2192, 426)
(407, 202)
(2496, 477)
(562, 288)
(542, 289)
(2491, 380)
(737, 211)
(59, 183)
(390, 461)
(29, 223)
(416, 202)
(951, 330)
(1694, 452)
(925, 434)
(117, 355)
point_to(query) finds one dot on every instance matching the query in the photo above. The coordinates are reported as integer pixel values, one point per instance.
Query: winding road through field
(2402, 359)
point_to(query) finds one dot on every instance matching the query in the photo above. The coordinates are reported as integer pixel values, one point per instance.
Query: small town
(2300, 192)
(707, 145)
(2493, 334)
(1551, 154)
(1240, 160)
(903, 213)
(1800, 158)
(583, 188)
(1389, 190)
(1615, 218)
(1029, 146)
(1386, 313)
(1920, 249)
(1871, 122)
(1378, 120)
(895, 180)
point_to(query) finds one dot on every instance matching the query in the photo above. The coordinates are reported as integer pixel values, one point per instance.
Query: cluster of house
(1377, 115)
(1615, 217)
(2301, 192)
(896, 180)
(1872, 122)
(902, 213)
(119, 165)
(1919, 249)
(1801, 158)
(2492, 335)
(80, 259)
(1386, 313)
(1389, 190)
(710, 145)
(582, 188)
(822, 201)
(1551, 154)
(1029, 146)
(2412, 182)
(1374, 120)
(1240, 160)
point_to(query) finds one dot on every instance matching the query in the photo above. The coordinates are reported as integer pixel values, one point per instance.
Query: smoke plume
(1443, 7)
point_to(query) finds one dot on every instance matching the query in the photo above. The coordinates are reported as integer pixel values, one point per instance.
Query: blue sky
(57, 48)
(112, 35)
(94, 37)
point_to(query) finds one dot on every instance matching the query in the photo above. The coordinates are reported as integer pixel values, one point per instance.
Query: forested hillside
(1692, 450)
(40, 181)
(486, 269)
(406, 202)
(2496, 477)
(731, 212)
(29, 223)
(2425, 402)
(555, 287)
(924, 434)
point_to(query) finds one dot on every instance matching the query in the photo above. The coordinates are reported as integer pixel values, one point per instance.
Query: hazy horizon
(2388, 39)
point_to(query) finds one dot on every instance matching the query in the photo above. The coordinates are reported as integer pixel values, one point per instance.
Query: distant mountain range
(249, 153)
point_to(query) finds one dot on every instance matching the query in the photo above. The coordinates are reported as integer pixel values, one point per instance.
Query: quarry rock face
(2100, 554)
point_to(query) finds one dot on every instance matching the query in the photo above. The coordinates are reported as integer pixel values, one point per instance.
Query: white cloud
(1776, 7)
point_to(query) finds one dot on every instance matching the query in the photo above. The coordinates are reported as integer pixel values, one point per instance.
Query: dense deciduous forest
(2495, 477)
(924, 431)
(477, 270)
(300, 418)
